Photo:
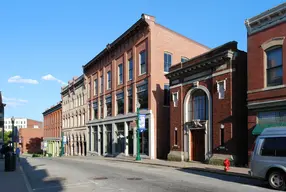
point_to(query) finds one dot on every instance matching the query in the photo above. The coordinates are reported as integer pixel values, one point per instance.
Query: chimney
(148, 17)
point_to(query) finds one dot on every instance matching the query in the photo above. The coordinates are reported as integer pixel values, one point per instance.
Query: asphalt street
(57, 175)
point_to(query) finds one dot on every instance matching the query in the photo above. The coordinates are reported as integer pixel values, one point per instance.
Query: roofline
(109, 46)
(198, 56)
(266, 13)
(52, 109)
(189, 39)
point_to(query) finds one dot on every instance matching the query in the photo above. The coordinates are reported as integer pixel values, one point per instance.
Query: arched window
(199, 105)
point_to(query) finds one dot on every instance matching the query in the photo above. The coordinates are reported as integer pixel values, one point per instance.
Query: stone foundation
(177, 156)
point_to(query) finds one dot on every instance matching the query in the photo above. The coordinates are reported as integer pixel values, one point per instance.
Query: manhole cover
(99, 178)
(134, 178)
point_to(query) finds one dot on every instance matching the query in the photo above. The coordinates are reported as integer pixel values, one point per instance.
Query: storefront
(118, 137)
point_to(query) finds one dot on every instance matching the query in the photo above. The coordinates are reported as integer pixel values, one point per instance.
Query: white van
(268, 159)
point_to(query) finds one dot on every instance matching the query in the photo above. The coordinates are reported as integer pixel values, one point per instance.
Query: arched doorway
(197, 121)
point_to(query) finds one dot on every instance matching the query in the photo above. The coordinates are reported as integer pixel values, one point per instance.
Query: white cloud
(19, 79)
(14, 102)
(49, 77)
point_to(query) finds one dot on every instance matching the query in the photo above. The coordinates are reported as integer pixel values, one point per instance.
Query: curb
(27, 183)
(221, 172)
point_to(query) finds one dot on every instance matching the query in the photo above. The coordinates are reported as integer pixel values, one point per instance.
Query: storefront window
(272, 117)
(144, 140)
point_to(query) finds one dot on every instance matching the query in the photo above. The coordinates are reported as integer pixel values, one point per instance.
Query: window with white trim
(274, 68)
(120, 74)
(167, 61)
(175, 97)
(95, 87)
(221, 88)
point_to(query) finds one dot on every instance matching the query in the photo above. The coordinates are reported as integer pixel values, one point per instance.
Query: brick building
(30, 139)
(128, 70)
(266, 95)
(21, 122)
(208, 106)
(53, 128)
(74, 109)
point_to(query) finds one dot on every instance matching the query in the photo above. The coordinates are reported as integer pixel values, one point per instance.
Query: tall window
(274, 66)
(130, 69)
(142, 60)
(108, 80)
(101, 109)
(167, 61)
(183, 59)
(142, 95)
(95, 110)
(101, 84)
(166, 95)
(130, 101)
(95, 87)
(108, 106)
(120, 103)
(120, 74)
(199, 105)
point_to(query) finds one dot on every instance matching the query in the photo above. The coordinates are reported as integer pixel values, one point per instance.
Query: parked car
(268, 159)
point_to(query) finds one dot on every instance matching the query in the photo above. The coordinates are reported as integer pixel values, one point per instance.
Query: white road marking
(27, 183)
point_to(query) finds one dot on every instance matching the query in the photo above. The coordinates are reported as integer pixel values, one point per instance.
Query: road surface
(66, 175)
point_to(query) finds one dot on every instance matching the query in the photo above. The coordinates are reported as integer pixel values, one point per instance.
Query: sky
(43, 44)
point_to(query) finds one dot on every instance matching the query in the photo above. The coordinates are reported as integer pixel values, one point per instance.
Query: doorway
(101, 143)
(198, 145)
(130, 142)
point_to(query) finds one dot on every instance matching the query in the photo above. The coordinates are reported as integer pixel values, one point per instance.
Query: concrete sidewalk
(13, 181)
(196, 166)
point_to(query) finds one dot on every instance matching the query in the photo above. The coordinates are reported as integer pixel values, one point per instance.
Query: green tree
(7, 136)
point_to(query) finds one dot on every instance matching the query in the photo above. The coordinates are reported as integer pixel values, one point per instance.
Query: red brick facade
(53, 121)
(264, 34)
(30, 139)
(225, 64)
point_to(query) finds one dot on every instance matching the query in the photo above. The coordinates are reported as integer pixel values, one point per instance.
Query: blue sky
(43, 44)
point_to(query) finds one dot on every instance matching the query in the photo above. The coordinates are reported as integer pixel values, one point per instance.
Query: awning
(260, 127)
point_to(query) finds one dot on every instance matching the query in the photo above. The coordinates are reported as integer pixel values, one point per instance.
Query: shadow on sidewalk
(39, 178)
(215, 174)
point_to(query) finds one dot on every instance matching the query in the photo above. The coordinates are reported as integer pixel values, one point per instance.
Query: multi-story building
(208, 114)
(53, 128)
(21, 123)
(266, 47)
(129, 70)
(74, 116)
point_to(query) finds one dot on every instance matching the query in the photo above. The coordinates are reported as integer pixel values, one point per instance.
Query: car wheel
(276, 180)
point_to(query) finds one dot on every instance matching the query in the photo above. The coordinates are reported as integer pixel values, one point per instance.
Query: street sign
(15, 137)
(142, 122)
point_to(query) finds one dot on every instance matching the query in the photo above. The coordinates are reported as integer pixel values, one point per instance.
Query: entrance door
(198, 145)
(109, 142)
(101, 143)
(130, 142)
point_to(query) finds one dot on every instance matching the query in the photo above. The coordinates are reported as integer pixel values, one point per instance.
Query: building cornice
(53, 109)
(266, 104)
(109, 47)
(266, 19)
(204, 61)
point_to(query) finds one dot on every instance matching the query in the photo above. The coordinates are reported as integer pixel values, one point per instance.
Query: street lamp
(12, 138)
(138, 158)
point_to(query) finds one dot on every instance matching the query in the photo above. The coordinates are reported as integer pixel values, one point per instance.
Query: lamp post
(12, 138)
(138, 158)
